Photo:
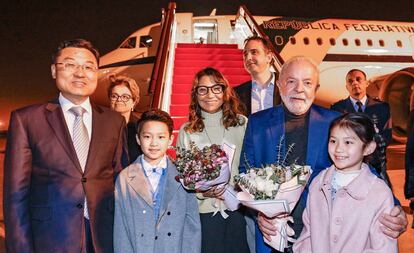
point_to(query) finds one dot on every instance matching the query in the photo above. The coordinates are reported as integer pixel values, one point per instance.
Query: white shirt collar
(147, 166)
(66, 104)
(363, 100)
(256, 86)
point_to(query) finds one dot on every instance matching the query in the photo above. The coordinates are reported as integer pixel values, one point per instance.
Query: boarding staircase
(189, 59)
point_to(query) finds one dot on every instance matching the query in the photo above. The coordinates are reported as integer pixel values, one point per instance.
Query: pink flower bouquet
(202, 169)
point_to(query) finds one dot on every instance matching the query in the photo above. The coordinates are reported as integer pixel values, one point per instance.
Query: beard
(296, 106)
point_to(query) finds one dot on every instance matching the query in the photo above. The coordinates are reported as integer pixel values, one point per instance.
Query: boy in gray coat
(153, 212)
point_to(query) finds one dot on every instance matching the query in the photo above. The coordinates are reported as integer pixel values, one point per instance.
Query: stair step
(204, 64)
(215, 57)
(191, 45)
(225, 71)
(178, 121)
(181, 89)
(233, 80)
(207, 51)
(180, 110)
(180, 99)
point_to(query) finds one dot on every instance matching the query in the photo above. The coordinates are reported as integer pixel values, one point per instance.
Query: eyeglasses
(72, 67)
(216, 89)
(123, 98)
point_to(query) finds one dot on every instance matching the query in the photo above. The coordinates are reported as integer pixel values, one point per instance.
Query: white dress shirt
(262, 98)
(70, 117)
(363, 101)
(154, 177)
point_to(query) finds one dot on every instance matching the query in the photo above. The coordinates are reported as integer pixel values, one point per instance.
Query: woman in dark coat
(123, 92)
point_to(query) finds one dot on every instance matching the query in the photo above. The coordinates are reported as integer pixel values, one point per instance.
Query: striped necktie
(80, 140)
(80, 136)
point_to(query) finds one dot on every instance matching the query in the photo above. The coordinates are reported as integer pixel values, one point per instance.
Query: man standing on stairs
(259, 93)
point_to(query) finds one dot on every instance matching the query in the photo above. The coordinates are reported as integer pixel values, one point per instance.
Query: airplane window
(381, 43)
(399, 43)
(345, 42)
(145, 41)
(292, 40)
(319, 41)
(129, 43)
(306, 40)
(357, 42)
(332, 41)
(369, 42)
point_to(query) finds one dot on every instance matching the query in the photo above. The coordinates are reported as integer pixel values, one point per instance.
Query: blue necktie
(359, 104)
(156, 170)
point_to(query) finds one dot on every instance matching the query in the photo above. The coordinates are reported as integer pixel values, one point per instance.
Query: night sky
(31, 30)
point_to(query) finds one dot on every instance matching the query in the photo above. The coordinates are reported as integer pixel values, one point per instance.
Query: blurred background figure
(409, 171)
(123, 93)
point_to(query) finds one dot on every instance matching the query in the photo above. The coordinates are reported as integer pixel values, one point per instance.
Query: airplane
(384, 50)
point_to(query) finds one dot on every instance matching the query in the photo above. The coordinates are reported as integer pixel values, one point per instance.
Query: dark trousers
(221, 235)
(88, 237)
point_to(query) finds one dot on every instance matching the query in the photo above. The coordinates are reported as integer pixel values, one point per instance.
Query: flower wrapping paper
(286, 198)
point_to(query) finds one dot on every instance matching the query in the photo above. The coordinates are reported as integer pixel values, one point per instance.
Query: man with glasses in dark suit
(61, 161)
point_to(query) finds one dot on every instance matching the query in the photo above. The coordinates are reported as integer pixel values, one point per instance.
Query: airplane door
(205, 31)
(412, 45)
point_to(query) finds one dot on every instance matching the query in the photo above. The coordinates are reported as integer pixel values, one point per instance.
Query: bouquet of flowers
(274, 190)
(202, 169)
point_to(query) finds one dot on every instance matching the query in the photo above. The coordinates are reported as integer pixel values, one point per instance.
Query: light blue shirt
(262, 98)
(363, 101)
(159, 184)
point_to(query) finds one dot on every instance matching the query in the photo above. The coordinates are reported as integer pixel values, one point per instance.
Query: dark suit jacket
(244, 91)
(134, 149)
(45, 188)
(409, 166)
(375, 109)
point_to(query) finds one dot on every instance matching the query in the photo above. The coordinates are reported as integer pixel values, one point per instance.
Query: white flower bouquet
(274, 190)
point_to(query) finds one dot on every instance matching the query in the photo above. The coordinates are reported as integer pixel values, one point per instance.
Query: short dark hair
(266, 44)
(357, 70)
(78, 43)
(155, 115)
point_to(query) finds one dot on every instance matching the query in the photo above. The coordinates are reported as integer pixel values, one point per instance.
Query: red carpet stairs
(189, 59)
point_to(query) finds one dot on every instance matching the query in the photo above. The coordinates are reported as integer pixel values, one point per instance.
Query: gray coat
(178, 228)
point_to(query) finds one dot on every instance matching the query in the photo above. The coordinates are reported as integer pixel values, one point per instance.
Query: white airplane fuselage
(382, 49)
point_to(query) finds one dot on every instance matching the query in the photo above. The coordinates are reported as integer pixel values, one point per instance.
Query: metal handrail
(156, 82)
(257, 30)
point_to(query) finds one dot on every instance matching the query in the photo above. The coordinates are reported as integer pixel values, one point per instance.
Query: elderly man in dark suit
(261, 92)
(61, 161)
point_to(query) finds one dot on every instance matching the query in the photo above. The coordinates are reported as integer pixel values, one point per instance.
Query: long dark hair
(362, 125)
(231, 104)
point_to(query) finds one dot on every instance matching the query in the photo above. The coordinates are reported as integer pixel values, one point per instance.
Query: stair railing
(255, 29)
(160, 66)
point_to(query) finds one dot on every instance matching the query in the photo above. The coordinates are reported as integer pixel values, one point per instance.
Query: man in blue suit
(379, 111)
(359, 101)
(304, 124)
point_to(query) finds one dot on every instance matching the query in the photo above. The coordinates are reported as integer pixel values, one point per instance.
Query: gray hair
(298, 59)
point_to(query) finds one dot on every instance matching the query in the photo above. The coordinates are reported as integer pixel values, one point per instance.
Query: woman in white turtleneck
(215, 117)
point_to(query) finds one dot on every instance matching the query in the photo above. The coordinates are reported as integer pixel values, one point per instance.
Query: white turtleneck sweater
(214, 133)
